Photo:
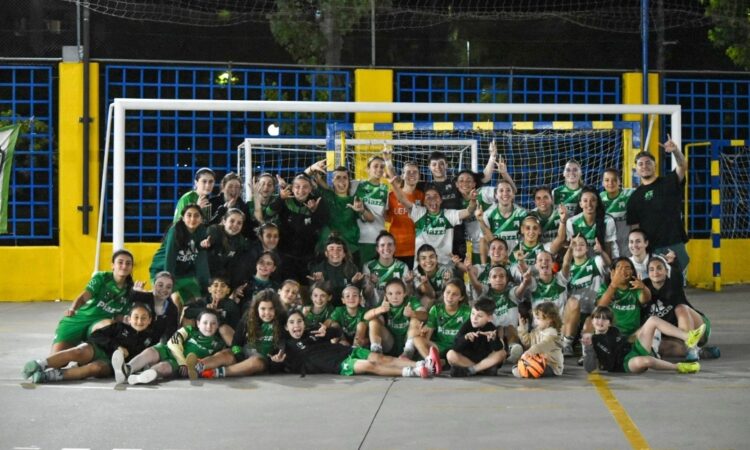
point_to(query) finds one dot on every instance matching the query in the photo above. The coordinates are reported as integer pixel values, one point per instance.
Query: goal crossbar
(122, 105)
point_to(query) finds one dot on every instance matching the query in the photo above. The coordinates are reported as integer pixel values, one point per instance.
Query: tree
(313, 31)
(731, 30)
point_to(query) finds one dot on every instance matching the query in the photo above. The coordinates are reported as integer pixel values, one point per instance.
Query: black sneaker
(459, 371)
(710, 352)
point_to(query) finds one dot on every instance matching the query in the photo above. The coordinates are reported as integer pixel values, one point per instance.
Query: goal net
(735, 192)
(534, 152)
(287, 157)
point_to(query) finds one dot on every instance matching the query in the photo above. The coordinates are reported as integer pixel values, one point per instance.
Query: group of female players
(304, 278)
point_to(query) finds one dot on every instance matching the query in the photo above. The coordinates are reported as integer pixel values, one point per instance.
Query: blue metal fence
(27, 96)
(165, 148)
(507, 88)
(715, 110)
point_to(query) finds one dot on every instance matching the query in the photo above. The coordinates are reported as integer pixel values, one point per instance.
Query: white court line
(26, 448)
(143, 388)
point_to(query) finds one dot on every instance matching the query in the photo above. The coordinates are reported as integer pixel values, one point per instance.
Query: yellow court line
(628, 427)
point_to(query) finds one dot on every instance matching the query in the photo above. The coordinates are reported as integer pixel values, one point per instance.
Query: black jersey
(481, 347)
(611, 349)
(119, 334)
(311, 354)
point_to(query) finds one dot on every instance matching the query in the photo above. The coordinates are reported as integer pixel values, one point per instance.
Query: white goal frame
(122, 105)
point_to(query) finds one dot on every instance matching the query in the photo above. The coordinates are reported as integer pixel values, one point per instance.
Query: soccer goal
(287, 157)
(121, 106)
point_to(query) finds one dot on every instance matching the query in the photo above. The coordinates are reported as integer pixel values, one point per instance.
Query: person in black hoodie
(113, 343)
(312, 352)
(301, 218)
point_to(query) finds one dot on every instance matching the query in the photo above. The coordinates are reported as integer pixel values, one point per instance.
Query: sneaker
(119, 367)
(459, 372)
(145, 377)
(692, 355)
(515, 353)
(580, 361)
(710, 352)
(688, 367)
(191, 361)
(567, 350)
(30, 368)
(38, 377)
(435, 358)
(424, 368)
(694, 336)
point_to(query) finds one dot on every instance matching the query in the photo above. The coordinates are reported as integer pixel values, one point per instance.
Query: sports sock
(138, 362)
(568, 340)
(42, 363)
(409, 347)
(407, 372)
(472, 370)
(376, 348)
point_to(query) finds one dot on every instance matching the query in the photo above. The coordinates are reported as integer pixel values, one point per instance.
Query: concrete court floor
(708, 410)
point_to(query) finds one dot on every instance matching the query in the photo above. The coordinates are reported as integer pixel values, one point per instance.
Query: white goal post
(122, 105)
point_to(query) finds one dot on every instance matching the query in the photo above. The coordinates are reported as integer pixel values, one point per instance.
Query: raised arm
(490, 167)
(469, 211)
(400, 193)
(671, 148)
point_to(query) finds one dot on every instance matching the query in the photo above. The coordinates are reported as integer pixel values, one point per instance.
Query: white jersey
(375, 198)
(577, 225)
(436, 230)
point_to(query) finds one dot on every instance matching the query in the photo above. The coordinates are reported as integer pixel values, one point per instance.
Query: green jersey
(189, 260)
(269, 215)
(397, 269)
(446, 325)
(437, 279)
(549, 224)
(577, 225)
(193, 341)
(346, 321)
(375, 198)
(554, 291)
(186, 199)
(563, 195)
(313, 320)
(506, 306)
(505, 227)
(397, 322)
(584, 281)
(341, 219)
(264, 343)
(107, 299)
(617, 209)
(626, 309)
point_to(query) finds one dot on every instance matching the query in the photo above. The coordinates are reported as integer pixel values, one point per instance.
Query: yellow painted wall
(44, 273)
(371, 85)
(632, 94)
(734, 267)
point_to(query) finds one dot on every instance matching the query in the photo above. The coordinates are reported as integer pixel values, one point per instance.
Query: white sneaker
(145, 377)
(515, 352)
(118, 366)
